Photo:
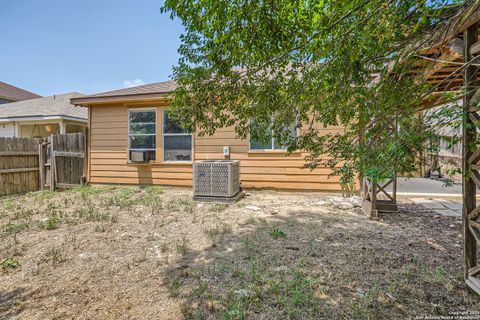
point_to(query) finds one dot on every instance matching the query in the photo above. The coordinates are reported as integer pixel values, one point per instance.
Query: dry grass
(123, 253)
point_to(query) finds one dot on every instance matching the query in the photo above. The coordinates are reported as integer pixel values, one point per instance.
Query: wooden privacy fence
(18, 165)
(63, 161)
(35, 164)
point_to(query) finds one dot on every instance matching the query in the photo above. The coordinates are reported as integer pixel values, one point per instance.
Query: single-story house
(123, 122)
(9, 93)
(40, 117)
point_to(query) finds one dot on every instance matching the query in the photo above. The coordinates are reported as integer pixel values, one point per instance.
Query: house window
(142, 132)
(177, 142)
(268, 141)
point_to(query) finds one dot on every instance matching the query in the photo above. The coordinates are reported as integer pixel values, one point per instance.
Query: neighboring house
(444, 157)
(9, 93)
(41, 117)
(134, 119)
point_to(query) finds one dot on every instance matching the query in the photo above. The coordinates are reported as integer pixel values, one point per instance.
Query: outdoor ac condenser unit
(216, 178)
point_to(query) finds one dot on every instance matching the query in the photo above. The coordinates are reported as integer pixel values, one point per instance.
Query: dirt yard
(129, 253)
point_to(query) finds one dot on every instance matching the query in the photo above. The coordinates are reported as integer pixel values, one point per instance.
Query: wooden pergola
(451, 66)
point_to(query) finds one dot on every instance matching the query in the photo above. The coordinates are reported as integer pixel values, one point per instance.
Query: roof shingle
(9, 92)
(58, 105)
(158, 87)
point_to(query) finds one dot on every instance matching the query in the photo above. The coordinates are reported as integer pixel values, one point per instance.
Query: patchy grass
(277, 233)
(9, 263)
(123, 252)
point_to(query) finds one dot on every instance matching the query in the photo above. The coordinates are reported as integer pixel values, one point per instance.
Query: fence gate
(64, 158)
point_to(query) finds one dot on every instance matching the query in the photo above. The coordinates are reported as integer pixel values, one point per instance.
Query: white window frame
(174, 134)
(272, 140)
(142, 134)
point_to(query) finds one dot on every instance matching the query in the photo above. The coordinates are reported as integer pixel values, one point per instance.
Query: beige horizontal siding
(277, 170)
(141, 181)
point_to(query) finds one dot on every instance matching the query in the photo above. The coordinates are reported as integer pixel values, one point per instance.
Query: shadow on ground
(310, 265)
(9, 299)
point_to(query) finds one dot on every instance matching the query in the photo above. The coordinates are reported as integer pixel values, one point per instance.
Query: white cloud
(133, 83)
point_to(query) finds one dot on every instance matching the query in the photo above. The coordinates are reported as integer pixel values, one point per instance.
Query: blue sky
(59, 46)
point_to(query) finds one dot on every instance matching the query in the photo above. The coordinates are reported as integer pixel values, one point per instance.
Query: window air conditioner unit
(139, 156)
(216, 178)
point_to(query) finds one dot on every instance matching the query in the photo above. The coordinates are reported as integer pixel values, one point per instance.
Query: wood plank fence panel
(67, 158)
(19, 165)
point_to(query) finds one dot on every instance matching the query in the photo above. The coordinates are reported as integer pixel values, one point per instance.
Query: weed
(52, 206)
(371, 296)
(194, 217)
(440, 273)
(153, 190)
(187, 204)
(174, 287)
(235, 310)
(91, 213)
(277, 233)
(219, 207)
(114, 218)
(213, 234)
(155, 203)
(14, 228)
(42, 195)
(180, 204)
(172, 205)
(51, 223)
(85, 191)
(54, 256)
(9, 263)
(182, 247)
(164, 247)
(23, 213)
(250, 248)
(123, 199)
(8, 205)
(186, 311)
(99, 228)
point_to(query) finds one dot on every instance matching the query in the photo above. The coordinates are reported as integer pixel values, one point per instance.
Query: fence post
(52, 165)
(373, 199)
(41, 164)
(85, 159)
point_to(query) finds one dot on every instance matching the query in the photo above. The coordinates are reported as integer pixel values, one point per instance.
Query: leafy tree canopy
(318, 64)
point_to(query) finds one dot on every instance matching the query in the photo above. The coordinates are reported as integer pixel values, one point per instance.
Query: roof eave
(43, 118)
(85, 101)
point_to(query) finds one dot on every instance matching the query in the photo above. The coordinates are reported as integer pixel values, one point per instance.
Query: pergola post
(471, 156)
(371, 187)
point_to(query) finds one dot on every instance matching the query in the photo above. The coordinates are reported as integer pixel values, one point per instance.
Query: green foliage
(51, 223)
(122, 199)
(85, 191)
(219, 207)
(54, 255)
(333, 63)
(14, 228)
(9, 263)
(154, 190)
(347, 179)
(277, 233)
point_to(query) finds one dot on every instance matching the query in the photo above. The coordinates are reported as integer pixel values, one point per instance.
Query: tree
(259, 64)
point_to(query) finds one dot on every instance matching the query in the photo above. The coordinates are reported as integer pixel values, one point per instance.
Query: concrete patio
(432, 194)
